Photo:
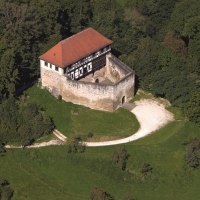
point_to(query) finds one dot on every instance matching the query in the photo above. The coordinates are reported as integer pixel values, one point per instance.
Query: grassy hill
(74, 119)
(50, 173)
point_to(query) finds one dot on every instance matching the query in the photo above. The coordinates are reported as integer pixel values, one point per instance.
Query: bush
(75, 145)
(99, 194)
(59, 97)
(120, 158)
(3, 182)
(192, 151)
(2, 149)
(90, 135)
(6, 193)
(146, 169)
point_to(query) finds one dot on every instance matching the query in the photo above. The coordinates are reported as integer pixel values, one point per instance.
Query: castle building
(82, 70)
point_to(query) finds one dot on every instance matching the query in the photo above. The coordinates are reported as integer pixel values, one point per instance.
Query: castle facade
(81, 69)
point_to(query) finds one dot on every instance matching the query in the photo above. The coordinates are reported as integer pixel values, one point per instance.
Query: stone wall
(94, 95)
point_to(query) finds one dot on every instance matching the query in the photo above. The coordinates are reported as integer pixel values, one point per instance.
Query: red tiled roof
(75, 47)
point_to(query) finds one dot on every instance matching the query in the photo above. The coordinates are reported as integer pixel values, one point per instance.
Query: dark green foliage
(23, 123)
(90, 135)
(2, 149)
(138, 30)
(59, 97)
(192, 109)
(6, 193)
(99, 194)
(75, 145)
(146, 169)
(192, 153)
(157, 13)
(3, 182)
(120, 158)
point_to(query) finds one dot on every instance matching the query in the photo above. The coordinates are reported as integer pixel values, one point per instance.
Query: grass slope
(74, 119)
(50, 173)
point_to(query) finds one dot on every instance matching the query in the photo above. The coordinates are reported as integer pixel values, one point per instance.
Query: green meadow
(50, 173)
(73, 119)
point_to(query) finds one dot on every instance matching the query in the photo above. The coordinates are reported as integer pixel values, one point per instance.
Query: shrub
(59, 97)
(6, 193)
(3, 182)
(146, 169)
(192, 151)
(99, 194)
(2, 149)
(90, 135)
(120, 158)
(75, 145)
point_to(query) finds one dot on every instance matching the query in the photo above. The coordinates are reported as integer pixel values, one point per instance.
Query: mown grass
(50, 173)
(74, 119)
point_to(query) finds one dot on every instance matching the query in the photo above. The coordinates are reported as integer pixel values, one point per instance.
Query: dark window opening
(123, 99)
(56, 68)
(97, 80)
(50, 65)
(46, 64)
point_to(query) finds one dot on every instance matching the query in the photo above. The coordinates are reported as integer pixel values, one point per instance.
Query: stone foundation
(100, 96)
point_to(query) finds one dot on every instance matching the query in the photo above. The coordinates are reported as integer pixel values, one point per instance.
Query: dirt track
(150, 114)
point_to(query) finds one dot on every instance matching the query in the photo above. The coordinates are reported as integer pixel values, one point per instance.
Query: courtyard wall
(98, 96)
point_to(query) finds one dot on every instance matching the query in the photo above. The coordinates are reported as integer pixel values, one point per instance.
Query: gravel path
(150, 114)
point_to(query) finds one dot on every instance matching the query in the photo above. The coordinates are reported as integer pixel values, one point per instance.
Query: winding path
(150, 114)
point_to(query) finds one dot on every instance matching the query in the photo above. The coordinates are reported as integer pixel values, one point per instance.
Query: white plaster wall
(53, 67)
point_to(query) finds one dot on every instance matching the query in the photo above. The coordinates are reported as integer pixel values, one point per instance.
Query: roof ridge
(76, 47)
(74, 35)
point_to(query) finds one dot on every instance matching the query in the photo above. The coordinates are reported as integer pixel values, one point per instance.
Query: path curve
(151, 116)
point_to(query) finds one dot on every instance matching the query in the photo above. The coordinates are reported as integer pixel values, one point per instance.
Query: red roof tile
(75, 47)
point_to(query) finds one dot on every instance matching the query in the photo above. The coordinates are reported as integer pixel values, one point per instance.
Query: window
(51, 66)
(76, 73)
(56, 68)
(81, 71)
(46, 64)
(89, 67)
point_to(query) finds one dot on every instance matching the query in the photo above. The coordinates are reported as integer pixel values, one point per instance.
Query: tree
(146, 169)
(75, 145)
(192, 108)
(22, 122)
(99, 194)
(6, 193)
(2, 150)
(192, 151)
(8, 74)
(120, 158)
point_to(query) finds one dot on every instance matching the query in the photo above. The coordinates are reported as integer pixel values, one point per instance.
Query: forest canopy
(159, 39)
